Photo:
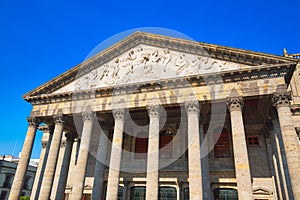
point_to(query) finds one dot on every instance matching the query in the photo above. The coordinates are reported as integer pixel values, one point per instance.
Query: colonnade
(195, 170)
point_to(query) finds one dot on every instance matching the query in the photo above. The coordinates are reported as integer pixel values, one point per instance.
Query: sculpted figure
(181, 63)
(154, 57)
(166, 58)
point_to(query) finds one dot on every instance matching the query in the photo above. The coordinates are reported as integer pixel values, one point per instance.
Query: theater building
(157, 117)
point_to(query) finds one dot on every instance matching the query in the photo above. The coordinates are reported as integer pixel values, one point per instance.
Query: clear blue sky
(41, 39)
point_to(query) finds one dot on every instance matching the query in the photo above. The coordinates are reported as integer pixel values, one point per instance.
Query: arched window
(225, 194)
(167, 193)
(138, 193)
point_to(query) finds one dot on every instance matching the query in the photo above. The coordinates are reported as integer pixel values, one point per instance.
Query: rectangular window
(222, 147)
(253, 141)
(141, 146)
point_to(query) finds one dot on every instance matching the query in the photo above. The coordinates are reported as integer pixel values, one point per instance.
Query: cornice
(188, 46)
(255, 73)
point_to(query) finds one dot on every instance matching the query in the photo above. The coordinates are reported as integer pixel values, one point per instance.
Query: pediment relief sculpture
(146, 63)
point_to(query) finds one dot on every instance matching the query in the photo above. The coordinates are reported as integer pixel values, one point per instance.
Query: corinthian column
(194, 155)
(99, 169)
(116, 154)
(46, 141)
(241, 161)
(80, 169)
(153, 153)
(47, 182)
(289, 138)
(17, 185)
(62, 180)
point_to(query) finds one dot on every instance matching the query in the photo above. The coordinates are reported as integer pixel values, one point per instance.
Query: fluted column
(46, 141)
(48, 177)
(194, 154)
(153, 154)
(98, 187)
(289, 138)
(80, 169)
(241, 160)
(62, 180)
(18, 182)
(116, 154)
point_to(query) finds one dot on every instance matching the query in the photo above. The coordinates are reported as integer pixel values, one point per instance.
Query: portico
(156, 117)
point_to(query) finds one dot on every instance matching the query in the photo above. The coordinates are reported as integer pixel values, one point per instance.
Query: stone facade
(155, 117)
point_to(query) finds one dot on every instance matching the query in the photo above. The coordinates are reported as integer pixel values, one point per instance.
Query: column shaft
(46, 141)
(115, 158)
(80, 169)
(194, 154)
(18, 182)
(51, 163)
(152, 180)
(98, 187)
(205, 167)
(62, 180)
(278, 159)
(58, 167)
(290, 140)
(241, 161)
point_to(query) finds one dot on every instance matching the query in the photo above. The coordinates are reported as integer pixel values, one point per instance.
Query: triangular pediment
(144, 57)
(146, 63)
(261, 191)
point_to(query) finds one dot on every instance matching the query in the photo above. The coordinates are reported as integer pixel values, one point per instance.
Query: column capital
(119, 114)
(192, 107)
(154, 110)
(235, 103)
(88, 115)
(281, 99)
(33, 121)
(59, 118)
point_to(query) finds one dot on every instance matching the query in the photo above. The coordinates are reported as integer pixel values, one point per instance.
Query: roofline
(137, 36)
